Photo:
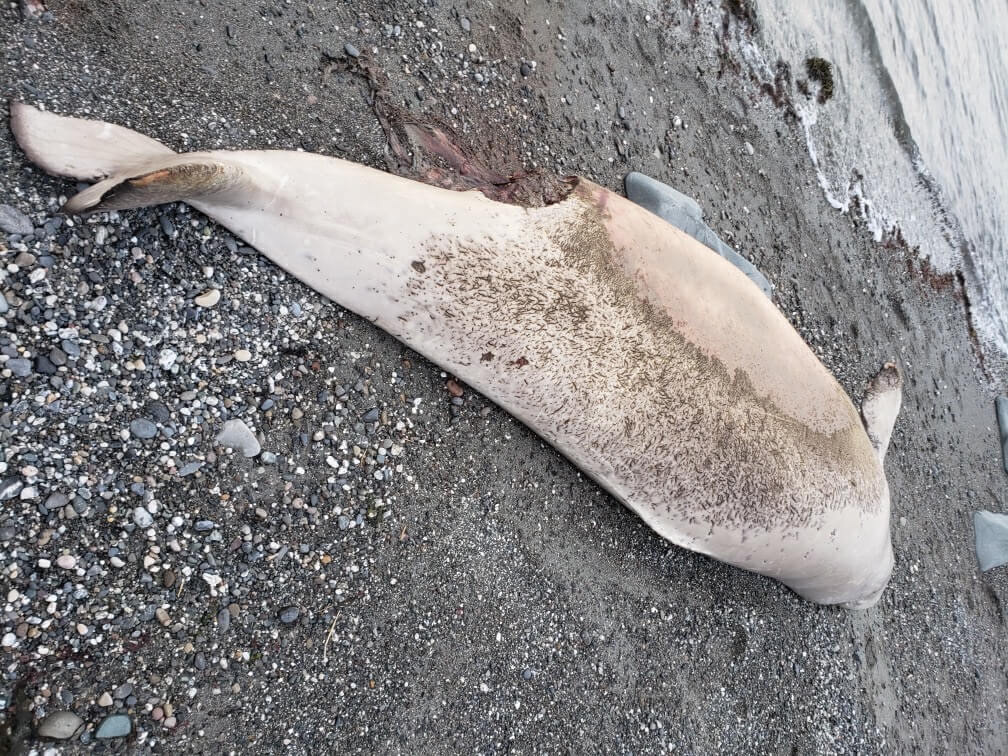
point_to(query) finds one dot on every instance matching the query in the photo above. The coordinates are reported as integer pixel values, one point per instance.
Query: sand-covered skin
(490, 597)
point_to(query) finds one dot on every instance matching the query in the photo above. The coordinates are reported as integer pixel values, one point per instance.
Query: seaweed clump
(820, 70)
(742, 10)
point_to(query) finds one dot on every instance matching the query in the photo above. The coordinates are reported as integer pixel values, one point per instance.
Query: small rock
(143, 428)
(352, 51)
(189, 468)
(371, 416)
(526, 69)
(223, 620)
(116, 726)
(105, 699)
(208, 298)
(19, 366)
(142, 517)
(162, 616)
(9, 488)
(205, 525)
(242, 355)
(237, 435)
(167, 358)
(749, 148)
(289, 615)
(13, 221)
(44, 366)
(60, 725)
(67, 562)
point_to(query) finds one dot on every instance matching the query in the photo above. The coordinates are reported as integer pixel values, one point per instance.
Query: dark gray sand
(403, 570)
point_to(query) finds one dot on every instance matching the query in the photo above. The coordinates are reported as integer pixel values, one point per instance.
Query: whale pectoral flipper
(880, 406)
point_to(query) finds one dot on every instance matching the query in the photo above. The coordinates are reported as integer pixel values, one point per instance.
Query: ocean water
(916, 135)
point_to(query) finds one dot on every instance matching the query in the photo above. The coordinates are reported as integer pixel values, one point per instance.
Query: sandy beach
(405, 568)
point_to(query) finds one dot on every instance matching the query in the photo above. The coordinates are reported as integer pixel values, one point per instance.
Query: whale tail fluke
(160, 181)
(79, 148)
(131, 170)
(881, 405)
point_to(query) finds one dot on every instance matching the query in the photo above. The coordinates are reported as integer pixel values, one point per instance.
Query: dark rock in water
(820, 70)
(60, 725)
(1001, 408)
(116, 726)
(991, 539)
(13, 221)
(685, 214)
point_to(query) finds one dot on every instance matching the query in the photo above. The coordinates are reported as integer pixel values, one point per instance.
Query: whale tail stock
(131, 170)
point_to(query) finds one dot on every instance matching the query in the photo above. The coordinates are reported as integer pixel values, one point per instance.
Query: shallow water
(916, 135)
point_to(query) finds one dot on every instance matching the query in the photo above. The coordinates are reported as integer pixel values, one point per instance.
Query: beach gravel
(383, 563)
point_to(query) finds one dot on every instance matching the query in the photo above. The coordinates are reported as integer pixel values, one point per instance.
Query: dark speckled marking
(611, 381)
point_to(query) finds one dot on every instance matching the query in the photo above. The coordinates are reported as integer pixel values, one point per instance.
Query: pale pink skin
(653, 364)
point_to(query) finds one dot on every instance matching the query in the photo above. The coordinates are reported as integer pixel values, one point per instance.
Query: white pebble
(67, 562)
(208, 298)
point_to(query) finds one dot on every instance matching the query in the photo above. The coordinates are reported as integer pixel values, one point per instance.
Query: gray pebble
(44, 366)
(466, 24)
(10, 488)
(56, 501)
(189, 468)
(223, 620)
(142, 517)
(123, 691)
(289, 615)
(205, 525)
(237, 435)
(20, 367)
(371, 416)
(352, 51)
(13, 221)
(268, 458)
(143, 428)
(116, 726)
(60, 725)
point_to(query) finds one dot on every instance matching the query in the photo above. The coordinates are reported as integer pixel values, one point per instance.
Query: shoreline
(451, 582)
